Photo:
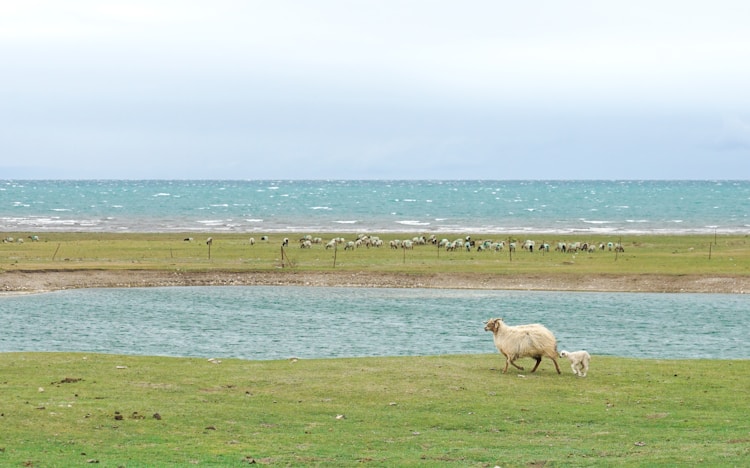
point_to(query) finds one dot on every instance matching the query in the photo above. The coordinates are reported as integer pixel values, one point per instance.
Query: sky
(374, 89)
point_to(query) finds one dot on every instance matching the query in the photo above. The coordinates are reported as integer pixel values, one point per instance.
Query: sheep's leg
(573, 366)
(538, 361)
(556, 366)
(514, 364)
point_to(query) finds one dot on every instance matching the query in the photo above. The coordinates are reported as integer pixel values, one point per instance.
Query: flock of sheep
(19, 240)
(464, 243)
(534, 341)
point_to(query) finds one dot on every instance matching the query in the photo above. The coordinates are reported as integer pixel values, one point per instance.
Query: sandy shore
(19, 282)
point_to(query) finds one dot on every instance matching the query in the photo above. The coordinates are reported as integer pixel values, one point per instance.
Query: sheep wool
(520, 341)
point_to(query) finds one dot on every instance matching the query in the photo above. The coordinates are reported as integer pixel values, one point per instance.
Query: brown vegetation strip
(39, 281)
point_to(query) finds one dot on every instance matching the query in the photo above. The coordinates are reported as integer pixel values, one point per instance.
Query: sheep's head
(563, 353)
(492, 324)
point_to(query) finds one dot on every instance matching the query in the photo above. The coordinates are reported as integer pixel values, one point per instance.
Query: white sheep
(515, 342)
(579, 361)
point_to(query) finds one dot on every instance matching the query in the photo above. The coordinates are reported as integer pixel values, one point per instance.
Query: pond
(278, 322)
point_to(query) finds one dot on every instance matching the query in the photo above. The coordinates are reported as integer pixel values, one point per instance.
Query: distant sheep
(520, 341)
(579, 361)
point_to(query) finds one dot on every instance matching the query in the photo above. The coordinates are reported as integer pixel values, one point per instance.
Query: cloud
(380, 87)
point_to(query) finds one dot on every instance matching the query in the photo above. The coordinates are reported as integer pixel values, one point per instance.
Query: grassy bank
(70, 409)
(669, 255)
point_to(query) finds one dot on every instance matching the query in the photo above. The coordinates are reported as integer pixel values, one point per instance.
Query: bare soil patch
(41, 281)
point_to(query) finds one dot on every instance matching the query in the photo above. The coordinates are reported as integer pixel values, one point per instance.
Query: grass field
(70, 409)
(64, 409)
(669, 255)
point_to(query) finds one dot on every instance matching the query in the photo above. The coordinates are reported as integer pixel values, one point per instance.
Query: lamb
(515, 342)
(579, 361)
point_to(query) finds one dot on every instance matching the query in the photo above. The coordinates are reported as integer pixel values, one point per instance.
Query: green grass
(65, 409)
(652, 254)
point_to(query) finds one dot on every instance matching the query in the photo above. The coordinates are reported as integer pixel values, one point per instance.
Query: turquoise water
(377, 206)
(281, 322)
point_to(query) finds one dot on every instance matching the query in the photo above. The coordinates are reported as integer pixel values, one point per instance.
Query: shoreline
(41, 281)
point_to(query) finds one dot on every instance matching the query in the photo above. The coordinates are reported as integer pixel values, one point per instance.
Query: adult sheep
(520, 341)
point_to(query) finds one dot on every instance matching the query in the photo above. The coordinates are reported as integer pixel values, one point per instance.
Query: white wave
(412, 223)
(162, 194)
(254, 220)
(636, 220)
(346, 222)
(591, 221)
(61, 209)
(321, 208)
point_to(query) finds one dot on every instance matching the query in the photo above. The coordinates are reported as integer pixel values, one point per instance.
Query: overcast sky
(378, 89)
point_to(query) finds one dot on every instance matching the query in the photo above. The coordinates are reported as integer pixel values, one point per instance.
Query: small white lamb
(579, 361)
